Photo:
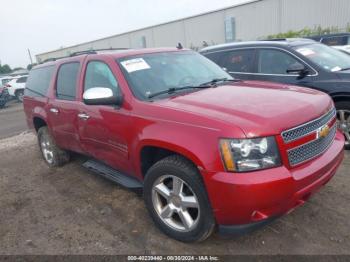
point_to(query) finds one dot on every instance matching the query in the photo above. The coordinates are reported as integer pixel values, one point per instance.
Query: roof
(115, 54)
(273, 42)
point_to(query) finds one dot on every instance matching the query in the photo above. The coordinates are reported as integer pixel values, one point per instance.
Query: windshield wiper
(175, 89)
(344, 69)
(218, 80)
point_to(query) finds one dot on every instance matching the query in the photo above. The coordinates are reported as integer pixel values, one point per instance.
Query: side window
(215, 57)
(271, 61)
(39, 81)
(238, 60)
(98, 74)
(67, 81)
(22, 80)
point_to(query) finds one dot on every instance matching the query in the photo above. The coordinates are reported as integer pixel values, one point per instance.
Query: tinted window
(272, 61)
(215, 57)
(238, 60)
(39, 81)
(98, 74)
(22, 80)
(67, 81)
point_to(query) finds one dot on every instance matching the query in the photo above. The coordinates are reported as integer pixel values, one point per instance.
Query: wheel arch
(151, 151)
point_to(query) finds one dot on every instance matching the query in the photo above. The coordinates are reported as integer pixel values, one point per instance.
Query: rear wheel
(52, 154)
(176, 199)
(343, 121)
(19, 95)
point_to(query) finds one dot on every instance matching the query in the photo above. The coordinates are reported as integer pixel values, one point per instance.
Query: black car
(340, 39)
(302, 62)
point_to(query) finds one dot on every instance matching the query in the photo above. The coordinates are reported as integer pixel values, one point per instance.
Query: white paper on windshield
(135, 64)
(336, 69)
(306, 51)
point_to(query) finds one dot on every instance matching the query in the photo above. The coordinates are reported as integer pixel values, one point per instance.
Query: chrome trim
(268, 47)
(308, 123)
(333, 130)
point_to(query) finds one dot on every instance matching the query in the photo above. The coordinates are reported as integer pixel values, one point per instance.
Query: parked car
(206, 149)
(299, 62)
(339, 39)
(4, 80)
(16, 87)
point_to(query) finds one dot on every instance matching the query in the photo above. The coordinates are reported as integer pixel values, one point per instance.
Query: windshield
(152, 73)
(326, 57)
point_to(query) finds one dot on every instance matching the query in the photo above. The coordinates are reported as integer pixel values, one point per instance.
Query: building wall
(256, 19)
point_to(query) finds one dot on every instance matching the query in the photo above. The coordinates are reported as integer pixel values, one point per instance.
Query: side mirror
(298, 69)
(101, 96)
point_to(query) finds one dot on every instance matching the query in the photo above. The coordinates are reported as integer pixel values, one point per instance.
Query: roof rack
(85, 52)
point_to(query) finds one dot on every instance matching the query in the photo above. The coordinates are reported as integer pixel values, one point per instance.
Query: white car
(16, 87)
(4, 80)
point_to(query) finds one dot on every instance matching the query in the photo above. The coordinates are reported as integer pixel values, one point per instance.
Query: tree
(30, 66)
(5, 69)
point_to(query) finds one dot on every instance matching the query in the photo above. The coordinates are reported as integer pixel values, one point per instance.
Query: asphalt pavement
(12, 120)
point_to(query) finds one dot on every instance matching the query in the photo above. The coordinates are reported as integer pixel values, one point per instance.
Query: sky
(45, 25)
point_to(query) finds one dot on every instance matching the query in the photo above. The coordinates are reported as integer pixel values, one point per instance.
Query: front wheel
(343, 121)
(176, 199)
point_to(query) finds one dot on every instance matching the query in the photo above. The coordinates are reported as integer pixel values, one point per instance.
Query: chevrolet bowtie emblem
(323, 131)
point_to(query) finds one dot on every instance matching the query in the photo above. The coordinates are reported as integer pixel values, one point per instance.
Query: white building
(249, 21)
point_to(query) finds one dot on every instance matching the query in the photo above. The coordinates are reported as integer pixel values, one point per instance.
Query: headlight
(242, 155)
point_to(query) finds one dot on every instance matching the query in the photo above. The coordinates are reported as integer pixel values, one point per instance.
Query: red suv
(206, 149)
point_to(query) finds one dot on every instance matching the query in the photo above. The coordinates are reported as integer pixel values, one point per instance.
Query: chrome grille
(312, 149)
(303, 130)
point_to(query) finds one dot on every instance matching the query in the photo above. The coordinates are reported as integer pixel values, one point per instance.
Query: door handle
(54, 110)
(83, 116)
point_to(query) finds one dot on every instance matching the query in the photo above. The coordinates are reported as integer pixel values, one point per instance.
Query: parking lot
(71, 211)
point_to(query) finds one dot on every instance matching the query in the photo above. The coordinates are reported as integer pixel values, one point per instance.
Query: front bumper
(249, 200)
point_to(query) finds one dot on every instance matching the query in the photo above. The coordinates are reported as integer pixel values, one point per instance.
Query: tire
(343, 108)
(19, 95)
(169, 171)
(52, 154)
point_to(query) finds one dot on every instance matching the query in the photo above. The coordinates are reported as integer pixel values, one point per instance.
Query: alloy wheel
(175, 203)
(46, 150)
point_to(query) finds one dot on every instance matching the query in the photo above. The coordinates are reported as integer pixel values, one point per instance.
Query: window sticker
(336, 69)
(135, 64)
(306, 51)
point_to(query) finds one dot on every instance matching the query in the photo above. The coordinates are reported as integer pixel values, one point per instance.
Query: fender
(171, 147)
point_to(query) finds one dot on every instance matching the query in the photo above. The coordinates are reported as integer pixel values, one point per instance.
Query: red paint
(191, 125)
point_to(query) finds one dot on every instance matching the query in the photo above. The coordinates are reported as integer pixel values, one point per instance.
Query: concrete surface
(12, 120)
(71, 211)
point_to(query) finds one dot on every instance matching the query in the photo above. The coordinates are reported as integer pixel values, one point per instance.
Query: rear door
(63, 107)
(238, 63)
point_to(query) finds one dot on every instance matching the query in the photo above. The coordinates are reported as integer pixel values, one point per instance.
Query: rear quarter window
(67, 81)
(38, 81)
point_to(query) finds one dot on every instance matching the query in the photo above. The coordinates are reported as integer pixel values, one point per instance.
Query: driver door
(103, 129)
(272, 65)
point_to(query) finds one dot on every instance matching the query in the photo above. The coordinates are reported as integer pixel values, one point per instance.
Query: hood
(258, 108)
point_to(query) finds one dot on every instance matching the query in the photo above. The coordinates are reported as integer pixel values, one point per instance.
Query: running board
(112, 174)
